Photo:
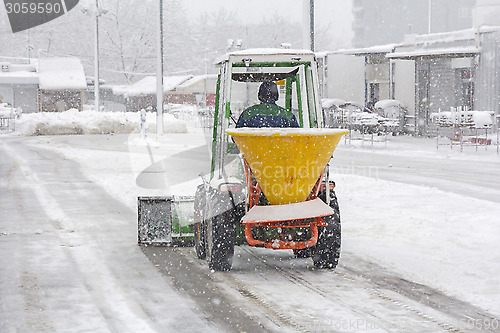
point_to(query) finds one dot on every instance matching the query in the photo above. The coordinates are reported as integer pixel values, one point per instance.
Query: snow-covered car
(393, 113)
(361, 118)
(482, 119)
(332, 112)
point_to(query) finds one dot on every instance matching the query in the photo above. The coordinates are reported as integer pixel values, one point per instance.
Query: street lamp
(308, 24)
(96, 55)
(429, 16)
(159, 73)
(96, 12)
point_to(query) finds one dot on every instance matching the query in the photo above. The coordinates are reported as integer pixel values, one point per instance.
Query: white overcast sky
(337, 13)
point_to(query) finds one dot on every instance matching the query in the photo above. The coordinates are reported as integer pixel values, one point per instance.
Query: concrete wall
(404, 83)
(346, 77)
(26, 97)
(487, 81)
(6, 94)
(20, 96)
(444, 86)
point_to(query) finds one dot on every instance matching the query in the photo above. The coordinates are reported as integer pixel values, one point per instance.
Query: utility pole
(96, 55)
(29, 46)
(430, 17)
(308, 24)
(159, 74)
(311, 23)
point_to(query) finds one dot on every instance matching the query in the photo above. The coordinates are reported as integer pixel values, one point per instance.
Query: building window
(374, 92)
(467, 88)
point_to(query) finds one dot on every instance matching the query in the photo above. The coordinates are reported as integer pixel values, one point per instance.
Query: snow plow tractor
(269, 186)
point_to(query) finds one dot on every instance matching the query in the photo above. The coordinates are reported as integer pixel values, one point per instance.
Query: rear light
(225, 188)
(331, 186)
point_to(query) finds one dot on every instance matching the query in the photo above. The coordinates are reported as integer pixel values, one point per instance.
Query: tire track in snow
(313, 286)
(399, 297)
(461, 311)
(280, 318)
(205, 288)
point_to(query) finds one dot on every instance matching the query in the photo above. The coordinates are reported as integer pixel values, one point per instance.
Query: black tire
(220, 233)
(326, 252)
(302, 253)
(199, 226)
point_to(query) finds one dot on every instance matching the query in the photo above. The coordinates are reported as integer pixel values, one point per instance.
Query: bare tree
(128, 41)
(128, 38)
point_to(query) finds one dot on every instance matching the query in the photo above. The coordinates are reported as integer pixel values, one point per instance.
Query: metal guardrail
(469, 137)
(465, 128)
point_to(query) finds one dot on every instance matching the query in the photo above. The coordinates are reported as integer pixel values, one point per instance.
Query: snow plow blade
(165, 220)
(286, 162)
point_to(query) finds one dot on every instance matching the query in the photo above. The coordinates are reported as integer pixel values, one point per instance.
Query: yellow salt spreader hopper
(286, 162)
(288, 165)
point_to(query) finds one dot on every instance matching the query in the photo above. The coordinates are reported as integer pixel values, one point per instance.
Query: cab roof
(267, 55)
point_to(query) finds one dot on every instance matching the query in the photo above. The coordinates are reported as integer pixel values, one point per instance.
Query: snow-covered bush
(91, 122)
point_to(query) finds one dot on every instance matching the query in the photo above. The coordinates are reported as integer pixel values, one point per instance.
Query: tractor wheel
(220, 233)
(326, 252)
(199, 226)
(302, 253)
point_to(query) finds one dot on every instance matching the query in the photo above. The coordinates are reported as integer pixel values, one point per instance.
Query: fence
(465, 128)
(365, 136)
(7, 118)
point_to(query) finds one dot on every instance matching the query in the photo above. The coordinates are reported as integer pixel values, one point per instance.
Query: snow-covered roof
(453, 36)
(263, 52)
(19, 77)
(199, 84)
(388, 48)
(270, 51)
(18, 73)
(454, 43)
(147, 86)
(459, 43)
(449, 51)
(61, 73)
(196, 79)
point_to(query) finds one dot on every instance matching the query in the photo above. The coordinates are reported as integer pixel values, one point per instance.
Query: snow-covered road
(446, 170)
(419, 254)
(69, 260)
(283, 293)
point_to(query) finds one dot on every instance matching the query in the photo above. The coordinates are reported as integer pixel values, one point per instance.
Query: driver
(267, 113)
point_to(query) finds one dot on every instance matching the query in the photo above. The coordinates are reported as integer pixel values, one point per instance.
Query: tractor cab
(242, 73)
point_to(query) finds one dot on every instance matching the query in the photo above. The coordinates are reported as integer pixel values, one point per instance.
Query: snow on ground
(440, 239)
(445, 240)
(89, 122)
(425, 147)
